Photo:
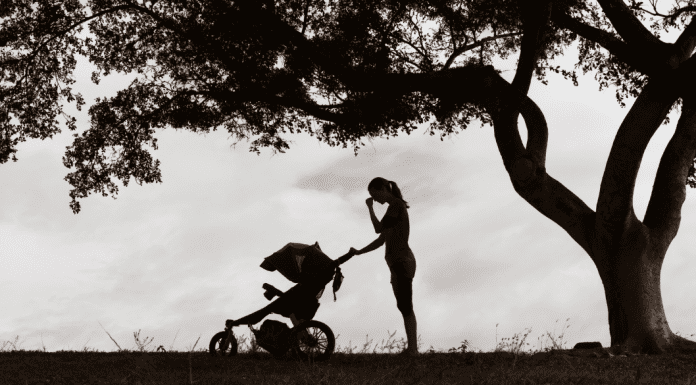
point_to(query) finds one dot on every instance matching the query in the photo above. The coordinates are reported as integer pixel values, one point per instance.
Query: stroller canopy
(301, 263)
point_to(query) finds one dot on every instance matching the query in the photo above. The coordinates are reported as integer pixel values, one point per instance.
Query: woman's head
(382, 190)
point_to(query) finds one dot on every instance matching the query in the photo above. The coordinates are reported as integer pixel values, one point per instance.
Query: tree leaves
(259, 68)
(38, 43)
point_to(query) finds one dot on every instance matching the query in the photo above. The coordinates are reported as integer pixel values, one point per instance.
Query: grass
(512, 361)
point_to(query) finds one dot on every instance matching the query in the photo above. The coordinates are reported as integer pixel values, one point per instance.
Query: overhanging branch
(526, 167)
(636, 58)
(535, 19)
(479, 43)
(631, 30)
(319, 111)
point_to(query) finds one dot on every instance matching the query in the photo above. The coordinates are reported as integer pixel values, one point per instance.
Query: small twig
(112, 338)
(304, 18)
(172, 345)
(84, 347)
(42, 343)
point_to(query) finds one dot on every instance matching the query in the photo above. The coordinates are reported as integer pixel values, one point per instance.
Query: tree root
(681, 345)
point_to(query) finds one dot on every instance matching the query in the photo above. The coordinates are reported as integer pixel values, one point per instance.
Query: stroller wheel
(312, 341)
(217, 347)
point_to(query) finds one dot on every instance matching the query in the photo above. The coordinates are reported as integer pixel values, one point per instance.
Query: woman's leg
(411, 332)
(402, 284)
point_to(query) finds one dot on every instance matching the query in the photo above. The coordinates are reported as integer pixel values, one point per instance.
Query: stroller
(311, 270)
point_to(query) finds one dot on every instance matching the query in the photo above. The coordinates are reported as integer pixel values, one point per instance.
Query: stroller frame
(308, 339)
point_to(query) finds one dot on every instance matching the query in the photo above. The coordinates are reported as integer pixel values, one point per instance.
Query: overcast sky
(184, 255)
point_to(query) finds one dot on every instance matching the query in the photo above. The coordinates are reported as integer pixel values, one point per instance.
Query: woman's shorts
(403, 269)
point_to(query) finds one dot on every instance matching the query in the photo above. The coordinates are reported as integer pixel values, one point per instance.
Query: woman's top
(396, 243)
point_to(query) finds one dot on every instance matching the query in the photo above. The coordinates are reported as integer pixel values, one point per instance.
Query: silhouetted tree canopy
(341, 70)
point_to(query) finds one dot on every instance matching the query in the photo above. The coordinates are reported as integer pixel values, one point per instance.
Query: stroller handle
(343, 259)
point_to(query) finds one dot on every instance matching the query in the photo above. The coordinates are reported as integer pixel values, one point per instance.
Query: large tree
(344, 70)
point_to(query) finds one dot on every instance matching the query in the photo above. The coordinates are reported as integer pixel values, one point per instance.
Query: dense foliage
(338, 69)
(38, 45)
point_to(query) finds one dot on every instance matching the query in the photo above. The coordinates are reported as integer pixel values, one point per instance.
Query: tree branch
(364, 82)
(311, 108)
(686, 42)
(615, 203)
(689, 8)
(526, 167)
(306, 47)
(515, 156)
(522, 163)
(422, 51)
(535, 21)
(551, 198)
(484, 86)
(169, 24)
(669, 190)
(631, 30)
(636, 58)
(671, 17)
(409, 61)
(537, 131)
(304, 18)
(685, 77)
(461, 50)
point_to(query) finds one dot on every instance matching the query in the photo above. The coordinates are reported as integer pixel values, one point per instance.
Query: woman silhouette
(394, 231)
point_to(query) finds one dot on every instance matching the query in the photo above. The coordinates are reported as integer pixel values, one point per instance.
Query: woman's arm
(375, 222)
(372, 246)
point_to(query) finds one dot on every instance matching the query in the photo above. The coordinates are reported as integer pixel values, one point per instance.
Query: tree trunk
(631, 278)
(628, 253)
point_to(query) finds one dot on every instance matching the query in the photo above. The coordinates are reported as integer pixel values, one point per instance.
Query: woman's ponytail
(396, 192)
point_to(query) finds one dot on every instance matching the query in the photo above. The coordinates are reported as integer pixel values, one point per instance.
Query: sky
(175, 260)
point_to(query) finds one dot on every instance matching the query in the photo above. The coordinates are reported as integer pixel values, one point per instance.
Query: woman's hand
(369, 202)
(348, 256)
